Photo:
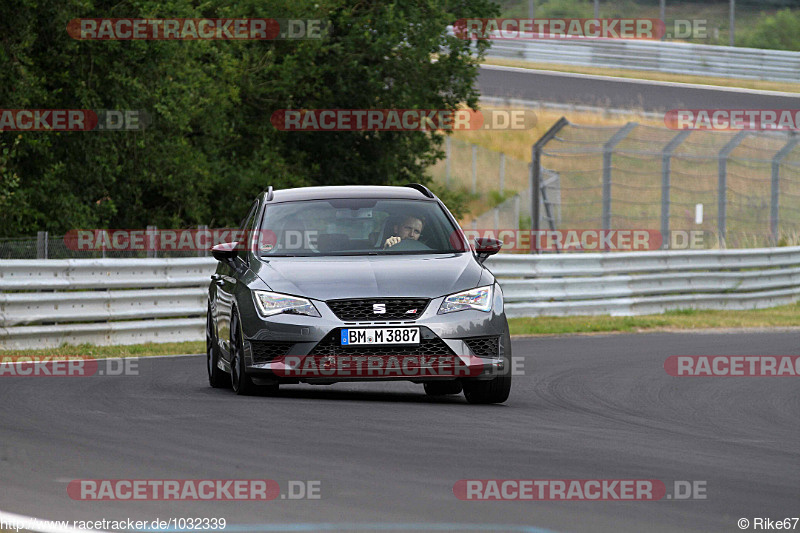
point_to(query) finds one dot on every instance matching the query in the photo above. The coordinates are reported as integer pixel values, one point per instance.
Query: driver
(410, 228)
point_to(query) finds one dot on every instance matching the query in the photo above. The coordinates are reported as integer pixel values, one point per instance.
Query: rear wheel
(217, 378)
(442, 388)
(495, 390)
(240, 381)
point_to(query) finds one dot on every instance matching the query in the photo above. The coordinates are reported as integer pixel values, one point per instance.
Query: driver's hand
(391, 241)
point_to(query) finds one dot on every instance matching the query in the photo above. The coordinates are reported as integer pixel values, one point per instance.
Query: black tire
(240, 381)
(216, 378)
(442, 388)
(495, 390)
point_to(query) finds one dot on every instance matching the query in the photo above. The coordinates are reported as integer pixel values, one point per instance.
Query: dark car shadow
(299, 392)
(366, 395)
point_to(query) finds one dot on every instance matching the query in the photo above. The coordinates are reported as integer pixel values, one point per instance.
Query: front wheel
(217, 378)
(240, 381)
(494, 390)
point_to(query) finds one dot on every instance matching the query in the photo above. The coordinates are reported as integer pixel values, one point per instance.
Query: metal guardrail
(132, 301)
(102, 301)
(639, 283)
(668, 57)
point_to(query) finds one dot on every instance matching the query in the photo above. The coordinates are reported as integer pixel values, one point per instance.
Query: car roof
(347, 191)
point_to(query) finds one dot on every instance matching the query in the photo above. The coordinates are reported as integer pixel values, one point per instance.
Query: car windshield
(357, 227)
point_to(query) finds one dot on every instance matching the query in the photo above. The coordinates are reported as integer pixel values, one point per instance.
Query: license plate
(352, 337)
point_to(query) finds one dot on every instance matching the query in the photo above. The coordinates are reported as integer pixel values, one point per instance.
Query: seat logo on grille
(379, 309)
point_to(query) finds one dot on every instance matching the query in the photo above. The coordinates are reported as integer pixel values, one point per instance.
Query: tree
(210, 146)
(376, 56)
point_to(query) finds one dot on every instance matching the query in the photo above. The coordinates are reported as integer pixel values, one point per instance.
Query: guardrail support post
(201, 253)
(41, 245)
(474, 168)
(104, 238)
(608, 152)
(722, 188)
(502, 172)
(448, 142)
(775, 188)
(150, 246)
(666, 157)
(536, 175)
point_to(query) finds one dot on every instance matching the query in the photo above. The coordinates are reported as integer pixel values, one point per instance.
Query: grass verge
(91, 351)
(684, 319)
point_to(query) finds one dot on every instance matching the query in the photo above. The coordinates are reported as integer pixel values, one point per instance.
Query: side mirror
(225, 252)
(485, 247)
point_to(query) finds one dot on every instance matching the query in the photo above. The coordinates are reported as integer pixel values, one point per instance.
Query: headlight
(480, 299)
(273, 303)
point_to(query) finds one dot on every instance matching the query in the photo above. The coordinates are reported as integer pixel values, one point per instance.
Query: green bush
(565, 8)
(778, 32)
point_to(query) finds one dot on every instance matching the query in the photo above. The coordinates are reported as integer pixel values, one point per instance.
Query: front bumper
(278, 347)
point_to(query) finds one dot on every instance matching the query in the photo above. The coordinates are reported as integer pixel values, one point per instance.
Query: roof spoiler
(421, 188)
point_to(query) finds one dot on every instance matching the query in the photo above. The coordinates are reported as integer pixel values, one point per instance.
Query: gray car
(356, 283)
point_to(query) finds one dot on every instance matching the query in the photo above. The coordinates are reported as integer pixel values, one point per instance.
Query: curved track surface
(588, 407)
(623, 93)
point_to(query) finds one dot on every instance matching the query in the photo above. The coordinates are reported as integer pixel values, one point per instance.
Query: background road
(601, 91)
(589, 407)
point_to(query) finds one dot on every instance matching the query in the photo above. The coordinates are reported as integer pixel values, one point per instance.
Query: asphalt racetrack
(622, 93)
(387, 457)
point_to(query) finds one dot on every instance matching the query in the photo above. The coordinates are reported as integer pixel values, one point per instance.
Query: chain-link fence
(515, 212)
(743, 188)
(737, 189)
(46, 246)
(484, 173)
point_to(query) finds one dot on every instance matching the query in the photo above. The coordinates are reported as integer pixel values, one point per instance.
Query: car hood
(330, 278)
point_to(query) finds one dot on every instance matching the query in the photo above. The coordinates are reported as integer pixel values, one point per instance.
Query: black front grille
(266, 351)
(432, 345)
(363, 310)
(484, 346)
